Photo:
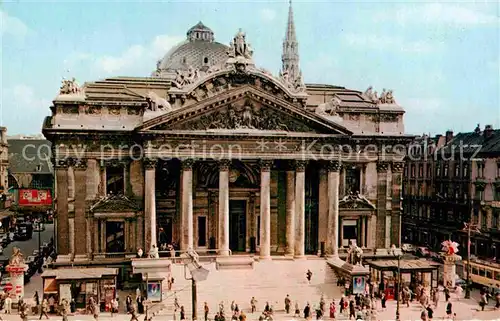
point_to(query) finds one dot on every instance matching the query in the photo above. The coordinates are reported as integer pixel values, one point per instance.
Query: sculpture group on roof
(186, 77)
(69, 87)
(239, 47)
(296, 85)
(386, 97)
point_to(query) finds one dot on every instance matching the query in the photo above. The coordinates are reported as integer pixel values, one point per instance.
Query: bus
(482, 272)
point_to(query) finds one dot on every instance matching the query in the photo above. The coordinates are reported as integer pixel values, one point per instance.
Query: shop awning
(405, 265)
(79, 273)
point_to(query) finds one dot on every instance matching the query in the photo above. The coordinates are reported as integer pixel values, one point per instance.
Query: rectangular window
(438, 170)
(489, 275)
(429, 171)
(495, 219)
(465, 170)
(498, 169)
(482, 272)
(497, 276)
(202, 231)
(497, 192)
(475, 271)
(479, 194)
(353, 180)
(483, 220)
(480, 169)
(421, 170)
(445, 170)
(412, 170)
(114, 180)
(457, 170)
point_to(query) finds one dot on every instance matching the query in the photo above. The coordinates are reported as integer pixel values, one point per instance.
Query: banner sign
(33, 197)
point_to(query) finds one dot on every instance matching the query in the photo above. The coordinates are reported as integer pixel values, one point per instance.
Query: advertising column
(16, 269)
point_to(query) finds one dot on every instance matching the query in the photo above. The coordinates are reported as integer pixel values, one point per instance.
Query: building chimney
(449, 136)
(488, 131)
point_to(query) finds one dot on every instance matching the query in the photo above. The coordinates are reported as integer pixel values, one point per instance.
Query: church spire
(290, 55)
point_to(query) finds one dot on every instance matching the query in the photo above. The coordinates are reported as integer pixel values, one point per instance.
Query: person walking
(128, 304)
(8, 305)
(341, 305)
(332, 310)
(44, 309)
(253, 303)
(64, 309)
(430, 312)
(206, 310)
(309, 276)
(352, 310)
(307, 311)
(36, 298)
(449, 309)
(133, 313)
(287, 304)
(383, 300)
(297, 309)
(483, 302)
(182, 314)
(72, 306)
(447, 294)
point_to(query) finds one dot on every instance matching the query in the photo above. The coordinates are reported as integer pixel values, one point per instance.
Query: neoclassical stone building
(212, 152)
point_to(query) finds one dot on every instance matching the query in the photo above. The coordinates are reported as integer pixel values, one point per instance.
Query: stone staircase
(269, 281)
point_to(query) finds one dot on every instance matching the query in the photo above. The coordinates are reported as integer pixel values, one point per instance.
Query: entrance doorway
(237, 225)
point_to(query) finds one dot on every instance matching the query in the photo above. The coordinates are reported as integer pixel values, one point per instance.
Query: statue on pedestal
(17, 257)
(450, 257)
(354, 254)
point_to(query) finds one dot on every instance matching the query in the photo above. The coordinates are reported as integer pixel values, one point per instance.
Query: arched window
(205, 60)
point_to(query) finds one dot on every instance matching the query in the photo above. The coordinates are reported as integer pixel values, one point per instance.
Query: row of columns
(295, 207)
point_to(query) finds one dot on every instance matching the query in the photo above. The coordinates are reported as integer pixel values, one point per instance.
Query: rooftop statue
(239, 47)
(186, 77)
(69, 87)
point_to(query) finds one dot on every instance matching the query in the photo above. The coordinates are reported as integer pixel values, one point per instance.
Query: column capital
(300, 166)
(224, 165)
(382, 167)
(397, 167)
(79, 164)
(187, 164)
(150, 163)
(265, 165)
(61, 163)
(333, 166)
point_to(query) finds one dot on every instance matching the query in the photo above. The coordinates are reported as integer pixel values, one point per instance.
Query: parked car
(408, 247)
(423, 252)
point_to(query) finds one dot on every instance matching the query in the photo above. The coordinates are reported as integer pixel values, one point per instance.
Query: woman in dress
(332, 310)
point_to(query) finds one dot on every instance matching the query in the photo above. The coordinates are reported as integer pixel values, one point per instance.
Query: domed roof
(199, 50)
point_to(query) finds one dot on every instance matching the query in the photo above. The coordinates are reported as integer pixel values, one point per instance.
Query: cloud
(437, 13)
(392, 43)
(131, 58)
(24, 101)
(12, 25)
(267, 14)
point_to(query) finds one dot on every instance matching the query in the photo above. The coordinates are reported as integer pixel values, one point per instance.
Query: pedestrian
(352, 310)
(113, 307)
(128, 304)
(36, 298)
(322, 303)
(8, 305)
(384, 299)
(267, 308)
(332, 310)
(309, 276)
(341, 305)
(233, 306)
(64, 309)
(319, 313)
(23, 309)
(297, 309)
(483, 302)
(430, 312)
(44, 309)
(182, 314)
(423, 315)
(307, 311)
(52, 303)
(133, 313)
(72, 306)
(253, 303)
(140, 304)
(458, 292)
(287, 304)
(449, 310)
(497, 299)
(447, 294)
(206, 309)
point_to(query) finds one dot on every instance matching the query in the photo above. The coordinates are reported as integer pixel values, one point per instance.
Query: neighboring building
(133, 164)
(449, 181)
(5, 199)
(31, 177)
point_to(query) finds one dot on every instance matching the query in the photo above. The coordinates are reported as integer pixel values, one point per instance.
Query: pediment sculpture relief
(246, 117)
(356, 201)
(185, 77)
(157, 103)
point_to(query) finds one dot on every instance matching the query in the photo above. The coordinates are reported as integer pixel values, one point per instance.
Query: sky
(441, 59)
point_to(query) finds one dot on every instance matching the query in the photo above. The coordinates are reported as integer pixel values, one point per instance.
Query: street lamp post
(398, 288)
(470, 227)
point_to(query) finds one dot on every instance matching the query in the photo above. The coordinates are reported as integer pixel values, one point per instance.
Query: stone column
(71, 182)
(149, 204)
(265, 209)
(333, 209)
(187, 205)
(323, 211)
(92, 179)
(61, 168)
(103, 185)
(380, 239)
(363, 233)
(300, 200)
(290, 213)
(223, 220)
(80, 241)
(397, 172)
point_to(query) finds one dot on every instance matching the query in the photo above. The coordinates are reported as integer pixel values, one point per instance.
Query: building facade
(4, 160)
(30, 175)
(212, 152)
(450, 180)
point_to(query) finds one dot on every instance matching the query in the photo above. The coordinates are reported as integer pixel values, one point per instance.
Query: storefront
(384, 273)
(81, 285)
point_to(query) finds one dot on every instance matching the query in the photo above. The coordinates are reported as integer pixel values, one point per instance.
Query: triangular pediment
(356, 202)
(246, 109)
(114, 203)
